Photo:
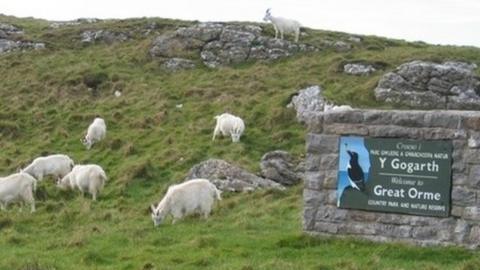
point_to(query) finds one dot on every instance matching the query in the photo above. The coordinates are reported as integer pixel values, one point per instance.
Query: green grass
(46, 105)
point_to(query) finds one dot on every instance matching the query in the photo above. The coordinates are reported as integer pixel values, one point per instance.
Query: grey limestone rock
(109, 37)
(278, 166)
(228, 177)
(221, 44)
(427, 85)
(358, 69)
(308, 102)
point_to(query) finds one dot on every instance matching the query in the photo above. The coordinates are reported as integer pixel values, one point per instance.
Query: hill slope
(48, 97)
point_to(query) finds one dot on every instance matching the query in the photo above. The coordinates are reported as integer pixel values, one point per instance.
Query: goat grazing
(55, 165)
(283, 25)
(17, 187)
(96, 132)
(228, 124)
(87, 178)
(193, 196)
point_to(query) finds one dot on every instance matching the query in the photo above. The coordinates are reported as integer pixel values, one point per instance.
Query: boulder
(175, 64)
(221, 44)
(10, 40)
(228, 177)
(8, 29)
(358, 69)
(337, 45)
(106, 36)
(7, 45)
(308, 102)
(171, 45)
(278, 166)
(427, 85)
(354, 39)
(79, 21)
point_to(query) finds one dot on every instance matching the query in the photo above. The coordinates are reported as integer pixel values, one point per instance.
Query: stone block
(472, 213)
(314, 180)
(442, 120)
(474, 176)
(329, 162)
(394, 132)
(322, 144)
(314, 197)
(462, 196)
(326, 227)
(312, 162)
(345, 129)
(352, 117)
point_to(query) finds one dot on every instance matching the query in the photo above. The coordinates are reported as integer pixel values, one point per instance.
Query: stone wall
(321, 215)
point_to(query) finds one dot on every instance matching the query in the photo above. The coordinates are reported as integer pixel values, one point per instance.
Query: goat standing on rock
(283, 25)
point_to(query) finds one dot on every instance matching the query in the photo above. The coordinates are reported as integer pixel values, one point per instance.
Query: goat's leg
(215, 132)
(297, 34)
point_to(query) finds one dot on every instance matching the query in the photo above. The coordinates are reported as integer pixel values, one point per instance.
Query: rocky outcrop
(307, 103)
(11, 40)
(175, 64)
(279, 167)
(358, 69)
(59, 24)
(10, 45)
(105, 36)
(7, 30)
(337, 45)
(228, 177)
(426, 85)
(219, 44)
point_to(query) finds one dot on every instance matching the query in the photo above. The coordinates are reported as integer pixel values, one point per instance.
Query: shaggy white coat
(283, 25)
(86, 178)
(56, 165)
(193, 196)
(17, 187)
(95, 132)
(229, 125)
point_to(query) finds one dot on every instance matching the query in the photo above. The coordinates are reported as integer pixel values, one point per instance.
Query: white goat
(193, 196)
(283, 25)
(17, 187)
(228, 124)
(96, 132)
(87, 178)
(55, 165)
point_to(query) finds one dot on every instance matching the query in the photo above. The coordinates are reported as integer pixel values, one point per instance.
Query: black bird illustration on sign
(355, 172)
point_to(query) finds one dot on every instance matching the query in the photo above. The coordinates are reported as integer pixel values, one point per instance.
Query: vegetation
(49, 97)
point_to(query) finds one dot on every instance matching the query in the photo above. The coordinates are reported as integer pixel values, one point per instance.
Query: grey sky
(434, 21)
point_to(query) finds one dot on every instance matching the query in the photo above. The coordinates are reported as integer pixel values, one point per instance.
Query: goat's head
(267, 16)
(236, 135)
(156, 216)
(62, 183)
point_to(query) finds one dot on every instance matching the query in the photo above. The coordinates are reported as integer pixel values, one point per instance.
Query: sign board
(395, 175)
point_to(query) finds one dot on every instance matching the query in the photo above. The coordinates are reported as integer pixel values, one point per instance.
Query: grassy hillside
(46, 105)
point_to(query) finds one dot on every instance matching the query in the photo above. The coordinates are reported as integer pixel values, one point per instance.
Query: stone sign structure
(461, 129)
